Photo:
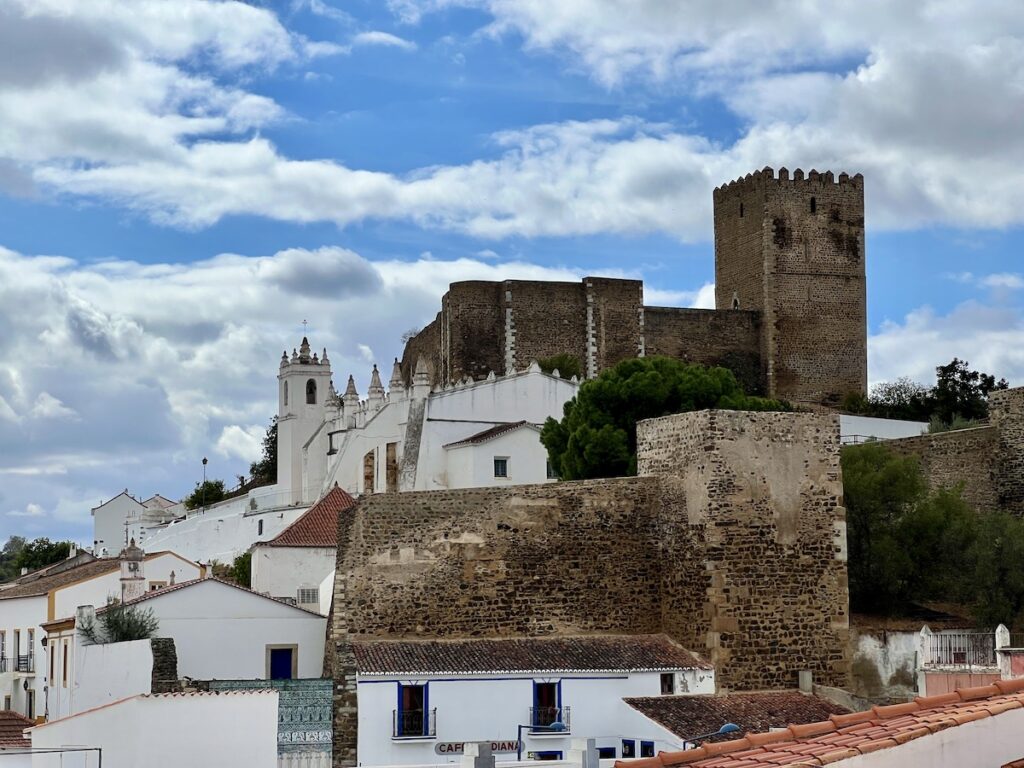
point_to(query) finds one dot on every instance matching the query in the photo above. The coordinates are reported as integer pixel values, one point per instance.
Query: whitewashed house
(51, 594)
(220, 631)
(293, 565)
(123, 518)
(421, 701)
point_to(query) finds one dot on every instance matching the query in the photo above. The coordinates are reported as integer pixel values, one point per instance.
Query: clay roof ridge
(491, 433)
(949, 710)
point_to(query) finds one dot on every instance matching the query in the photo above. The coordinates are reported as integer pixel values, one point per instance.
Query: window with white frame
(501, 466)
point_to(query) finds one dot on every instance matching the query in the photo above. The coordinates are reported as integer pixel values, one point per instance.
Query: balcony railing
(26, 663)
(413, 724)
(3, 664)
(962, 649)
(543, 718)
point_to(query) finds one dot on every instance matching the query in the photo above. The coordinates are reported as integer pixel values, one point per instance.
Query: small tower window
(814, 205)
(310, 392)
(741, 210)
(286, 393)
(735, 301)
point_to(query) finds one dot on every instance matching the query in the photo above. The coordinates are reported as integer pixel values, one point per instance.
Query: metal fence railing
(25, 663)
(544, 718)
(410, 723)
(962, 649)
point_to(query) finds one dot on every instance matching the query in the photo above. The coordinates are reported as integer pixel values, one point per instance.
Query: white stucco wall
(472, 466)
(109, 524)
(451, 415)
(281, 571)
(23, 613)
(100, 674)
(855, 428)
(993, 741)
(221, 632)
(490, 708)
(221, 533)
(236, 729)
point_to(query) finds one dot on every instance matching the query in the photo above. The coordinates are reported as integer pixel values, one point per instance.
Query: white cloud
(245, 443)
(30, 510)
(47, 406)
(386, 39)
(990, 338)
(366, 353)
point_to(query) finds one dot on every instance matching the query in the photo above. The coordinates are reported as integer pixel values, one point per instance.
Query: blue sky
(181, 184)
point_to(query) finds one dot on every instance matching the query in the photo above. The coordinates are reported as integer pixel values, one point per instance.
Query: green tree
(241, 569)
(905, 543)
(205, 494)
(596, 436)
(997, 578)
(121, 623)
(567, 365)
(264, 471)
(39, 553)
(961, 392)
(8, 554)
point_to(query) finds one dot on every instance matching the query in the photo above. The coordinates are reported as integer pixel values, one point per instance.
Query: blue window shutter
(399, 712)
(426, 708)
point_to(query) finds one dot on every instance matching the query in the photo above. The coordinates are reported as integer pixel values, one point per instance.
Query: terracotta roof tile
(318, 526)
(43, 584)
(604, 653)
(688, 716)
(844, 736)
(12, 729)
(192, 582)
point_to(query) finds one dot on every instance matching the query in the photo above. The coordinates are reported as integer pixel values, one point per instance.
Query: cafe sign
(459, 747)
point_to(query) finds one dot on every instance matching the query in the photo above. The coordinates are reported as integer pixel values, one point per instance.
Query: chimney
(806, 681)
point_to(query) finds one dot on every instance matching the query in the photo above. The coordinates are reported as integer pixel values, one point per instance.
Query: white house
(50, 594)
(421, 701)
(293, 565)
(165, 731)
(123, 518)
(220, 631)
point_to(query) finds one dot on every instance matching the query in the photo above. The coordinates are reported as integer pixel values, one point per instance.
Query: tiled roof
(192, 582)
(490, 433)
(844, 736)
(44, 583)
(12, 729)
(588, 653)
(688, 716)
(318, 527)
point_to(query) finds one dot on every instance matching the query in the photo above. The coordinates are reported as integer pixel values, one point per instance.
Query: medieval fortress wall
(732, 540)
(987, 462)
(791, 317)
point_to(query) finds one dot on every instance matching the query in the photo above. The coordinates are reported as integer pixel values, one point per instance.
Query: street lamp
(205, 460)
(727, 728)
(553, 728)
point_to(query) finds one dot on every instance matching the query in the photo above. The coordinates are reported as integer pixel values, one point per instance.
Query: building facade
(420, 702)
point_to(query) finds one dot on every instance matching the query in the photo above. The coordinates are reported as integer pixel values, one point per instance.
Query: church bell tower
(304, 382)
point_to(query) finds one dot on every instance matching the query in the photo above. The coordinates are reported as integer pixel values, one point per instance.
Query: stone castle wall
(793, 248)
(754, 556)
(732, 540)
(967, 457)
(1006, 412)
(730, 339)
(987, 462)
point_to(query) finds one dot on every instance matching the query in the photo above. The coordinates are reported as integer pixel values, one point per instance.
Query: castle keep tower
(793, 249)
(304, 383)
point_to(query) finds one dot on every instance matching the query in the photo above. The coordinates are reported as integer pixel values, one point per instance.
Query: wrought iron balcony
(549, 719)
(413, 724)
(3, 664)
(962, 649)
(26, 663)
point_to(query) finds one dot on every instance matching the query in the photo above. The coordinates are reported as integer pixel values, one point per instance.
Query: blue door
(281, 663)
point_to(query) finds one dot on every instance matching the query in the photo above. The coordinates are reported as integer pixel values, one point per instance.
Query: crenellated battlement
(813, 178)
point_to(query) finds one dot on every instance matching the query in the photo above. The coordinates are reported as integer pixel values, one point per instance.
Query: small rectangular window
(307, 595)
(501, 466)
(646, 749)
(668, 683)
(552, 475)
(155, 585)
(30, 705)
(628, 749)
(606, 753)
(547, 755)
(64, 662)
(7, 702)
